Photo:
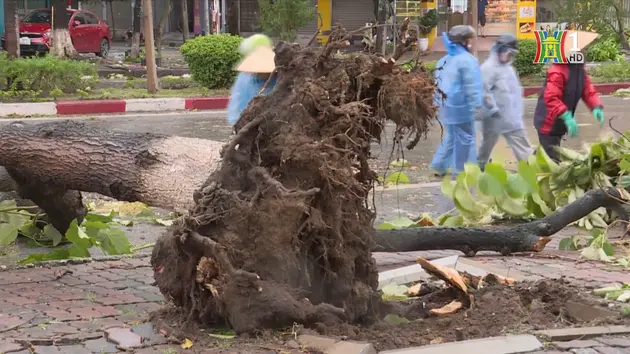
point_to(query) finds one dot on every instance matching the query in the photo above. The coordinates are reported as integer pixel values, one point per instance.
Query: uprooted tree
(281, 230)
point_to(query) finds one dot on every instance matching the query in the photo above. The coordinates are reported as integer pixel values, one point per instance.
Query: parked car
(89, 34)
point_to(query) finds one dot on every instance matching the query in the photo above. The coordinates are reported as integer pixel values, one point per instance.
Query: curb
(113, 106)
(603, 89)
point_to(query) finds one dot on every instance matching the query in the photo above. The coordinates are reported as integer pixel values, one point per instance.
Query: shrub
(614, 72)
(44, 74)
(524, 61)
(211, 59)
(604, 50)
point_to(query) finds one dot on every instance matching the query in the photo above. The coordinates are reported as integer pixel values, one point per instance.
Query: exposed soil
(498, 310)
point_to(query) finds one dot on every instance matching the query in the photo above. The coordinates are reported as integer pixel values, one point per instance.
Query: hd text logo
(558, 47)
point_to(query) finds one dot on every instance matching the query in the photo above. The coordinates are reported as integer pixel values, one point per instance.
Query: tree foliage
(283, 18)
(603, 16)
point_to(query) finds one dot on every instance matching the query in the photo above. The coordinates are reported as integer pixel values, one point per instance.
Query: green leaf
(452, 221)
(395, 291)
(516, 186)
(222, 335)
(448, 187)
(16, 219)
(534, 208)
(395, 319)
(398, 178)
(399, 163)
(608, 249)
(386, 226)
(8, 204)
(114, 241)
(511, 206)
(529, 175)
(76, 235)
(8, 234)
(51, 233)
(624, 165)
(402, 223)
(566, 244)
(544, 162)
(101, 218)
(489, 185)
(497, 171)
(56, 254)
(472, 173)
(163, 222)
(77, 251)
(462, 197)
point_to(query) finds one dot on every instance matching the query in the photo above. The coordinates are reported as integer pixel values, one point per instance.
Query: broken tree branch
(528, 237)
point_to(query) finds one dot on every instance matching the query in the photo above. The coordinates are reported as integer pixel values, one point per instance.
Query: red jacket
(561, 94)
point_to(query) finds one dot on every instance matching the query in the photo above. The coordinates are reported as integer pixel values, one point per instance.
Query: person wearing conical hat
(564, 86)
(254, 71)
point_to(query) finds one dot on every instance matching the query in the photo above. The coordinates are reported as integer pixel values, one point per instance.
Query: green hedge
(211, 59)
(524, 61)
(41, 75)
(604, 49)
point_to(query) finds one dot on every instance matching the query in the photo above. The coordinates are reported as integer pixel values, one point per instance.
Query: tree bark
(11, 28)
(158, 170)
(185, 29)
(528, 237)
(137, 18)
(62, 43)
(160, 30)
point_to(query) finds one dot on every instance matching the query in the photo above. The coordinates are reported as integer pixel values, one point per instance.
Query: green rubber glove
(570, 122)
(598, 113)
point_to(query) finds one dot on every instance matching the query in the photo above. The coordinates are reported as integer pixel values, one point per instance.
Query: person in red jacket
(565, 85)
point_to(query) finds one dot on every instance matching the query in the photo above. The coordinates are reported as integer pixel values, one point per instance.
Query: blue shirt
(481, 8)
(244, 90)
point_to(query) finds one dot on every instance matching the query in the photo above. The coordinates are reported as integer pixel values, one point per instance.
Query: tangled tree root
(281, 232)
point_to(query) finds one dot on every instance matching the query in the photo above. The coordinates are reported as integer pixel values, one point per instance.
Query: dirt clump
(498, 310)
(282, 232)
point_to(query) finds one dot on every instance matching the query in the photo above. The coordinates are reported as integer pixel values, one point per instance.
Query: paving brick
(499, 345)
(609, 350)
(85, 312)
(50, 349)
(124, 337)
(7, 346)
(584, 351)
(566, 334)
(100, 346)
(107, 310)
(61, 315)
(614, 342)
(74, 349)
(19, 300)
(576, 344)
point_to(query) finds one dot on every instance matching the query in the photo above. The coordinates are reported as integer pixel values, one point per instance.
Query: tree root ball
(281, 232)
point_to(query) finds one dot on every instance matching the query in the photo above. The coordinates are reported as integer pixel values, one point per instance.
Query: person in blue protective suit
(502, 113)
(254, 71)
(458, 76)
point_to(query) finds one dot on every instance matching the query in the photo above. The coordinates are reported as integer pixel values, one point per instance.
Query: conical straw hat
(583, 40)
(262, 60)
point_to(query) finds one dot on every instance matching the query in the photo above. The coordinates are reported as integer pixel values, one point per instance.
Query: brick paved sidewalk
(101, 307)
(98, 308)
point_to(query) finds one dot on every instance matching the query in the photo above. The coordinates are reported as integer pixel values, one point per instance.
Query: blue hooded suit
(460, 79)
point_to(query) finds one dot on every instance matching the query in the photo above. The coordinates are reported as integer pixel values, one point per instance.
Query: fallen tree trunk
(528, 237)
(162, 171)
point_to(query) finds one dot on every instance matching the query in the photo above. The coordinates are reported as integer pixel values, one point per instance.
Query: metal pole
(223, 15)
(149, 46)
(394, 21)
(475, 19)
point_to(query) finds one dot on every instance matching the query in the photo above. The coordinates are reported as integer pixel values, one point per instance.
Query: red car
(88, 32)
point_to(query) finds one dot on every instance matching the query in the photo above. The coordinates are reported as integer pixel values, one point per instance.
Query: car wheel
(104, 48)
